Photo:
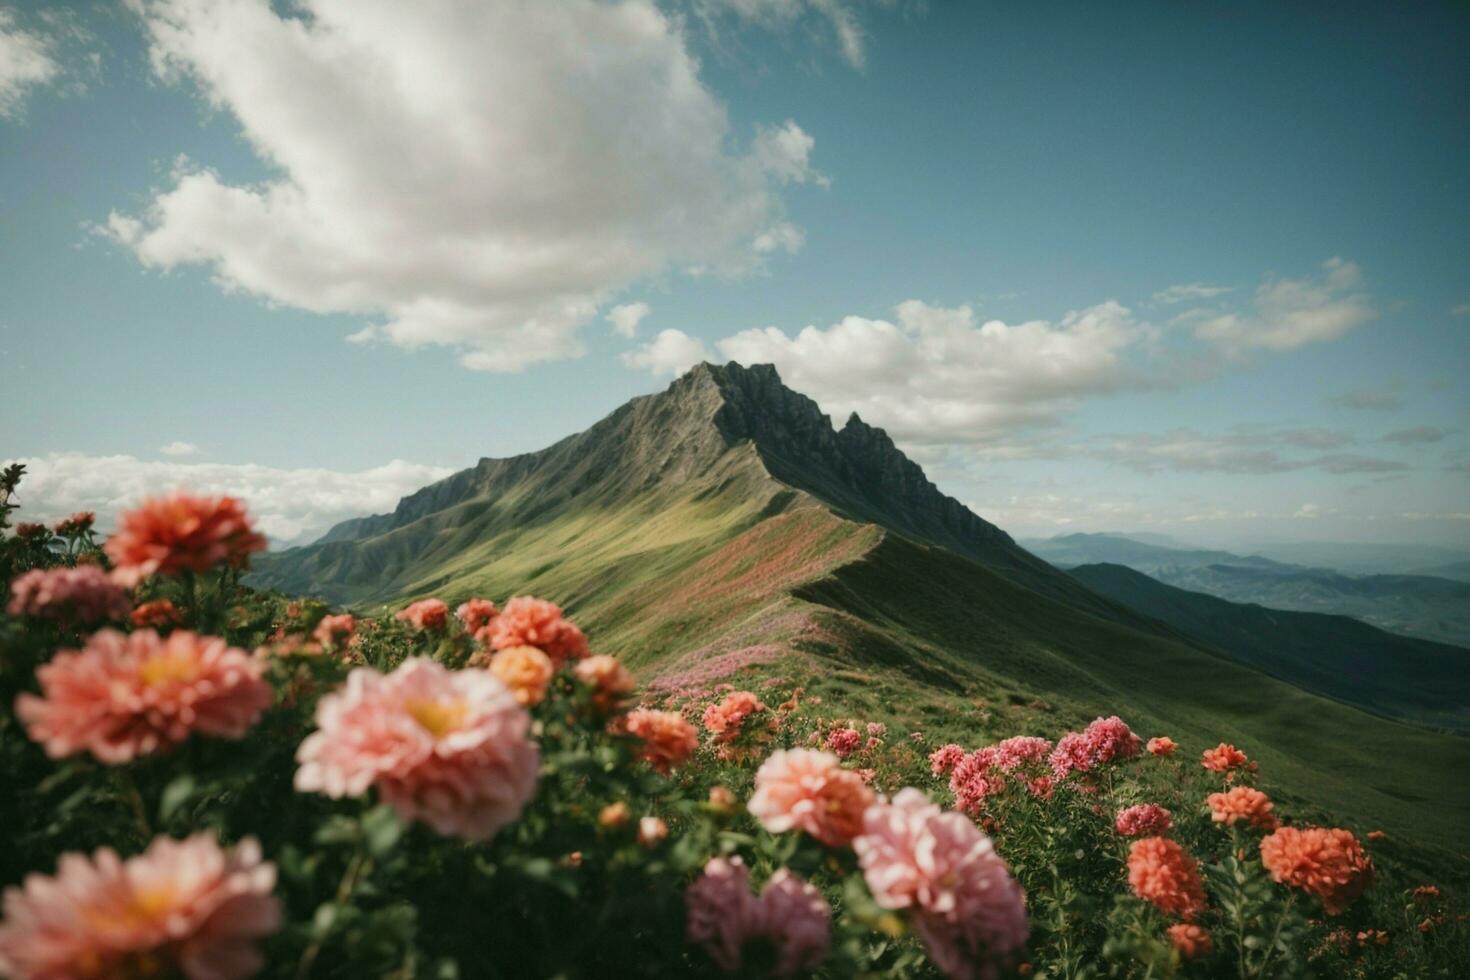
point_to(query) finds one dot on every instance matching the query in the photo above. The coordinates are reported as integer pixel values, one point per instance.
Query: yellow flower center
(168, 667)
(438, 718)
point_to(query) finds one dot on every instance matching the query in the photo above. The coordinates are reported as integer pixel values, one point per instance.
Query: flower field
(214, 782)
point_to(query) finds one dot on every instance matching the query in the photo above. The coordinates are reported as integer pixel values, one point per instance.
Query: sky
(1198, 269)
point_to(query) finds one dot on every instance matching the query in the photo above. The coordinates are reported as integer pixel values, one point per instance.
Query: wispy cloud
(28, 62)
(1190, 292)
(625, 318)
(1384, 397)
(1418, 434)
(1289, 313)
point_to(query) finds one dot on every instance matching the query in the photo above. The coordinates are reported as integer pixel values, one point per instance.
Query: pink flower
(965, 906)
(876, 729)
(725, 918)
(1013, 753)
(1191, 941)
(1144, 819)
(943, 759)
(125, 696)
(450, 748)
(181, 533)
(667, 738)
(608, 677)
(844, 741)
(802, 789)
(183, 907)
(426, 615)
(1105, 740)
(475, 614)
(81, 595)
(529, 622)
(975, 778)
(334, 631)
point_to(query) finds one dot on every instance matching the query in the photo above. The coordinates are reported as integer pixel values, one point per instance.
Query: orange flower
(425, 615)
(1376, 835)
(1191, 941)
(1242, 803)
(526, 671)
(1222, 758)
(614, 815)
(668, 739)
(530, 622)
(1163, 745)
(475, 614)
(1160, 872)
(609, 677)
(179, 533)
(1330, 864)
(158, 614)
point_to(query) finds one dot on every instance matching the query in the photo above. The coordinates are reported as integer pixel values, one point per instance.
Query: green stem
(1276, 935)
(357, 868)
(135, 802)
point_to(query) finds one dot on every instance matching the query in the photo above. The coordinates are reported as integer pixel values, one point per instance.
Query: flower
(943, 759)
(158, 614)
(1377, 835)
(333, 631)
(426, 615)
(1160, 872)
(1022, 750)
(1146, 818)
(125, 696)
(32, 532)
(722, 799)
(1190, 940)
(725, 719)
(651, 830)
(725, 919)
(975, 778)
(529, 622)
(1242, 803)
(667, 738)
(1329, 864)
(1222, 758)
(807, 790)
(181, 533)
(450, 748)
(876, 729)
(77, 524)
(79, 595)
(966, 907)
(526, 671)
(608, 677)
(614, 815)
(1104, 740)
(844, 741)
(182, 907)
(1163, 745)
(475, 614)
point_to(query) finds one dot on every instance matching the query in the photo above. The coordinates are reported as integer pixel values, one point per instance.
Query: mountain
(1336, 656)
(1422, 606)
(1365, 559)
(726, 522)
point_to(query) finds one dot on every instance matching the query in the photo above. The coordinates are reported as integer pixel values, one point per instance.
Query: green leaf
(175, 795)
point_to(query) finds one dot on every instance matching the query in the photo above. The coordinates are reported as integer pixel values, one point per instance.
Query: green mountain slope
(1337, 656)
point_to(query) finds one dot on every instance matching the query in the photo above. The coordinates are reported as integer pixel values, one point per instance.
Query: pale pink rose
(965, 906)
(129, 695)
(529, 622)
(789, 914)
(450, 748)
(807, 790)
(184, 907)
(608, 677)
(426, 615)
(81, 595)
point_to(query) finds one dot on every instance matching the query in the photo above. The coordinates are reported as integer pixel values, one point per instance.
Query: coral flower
(726, 718)
(1242, 803)
(181, 908)
(158, 614)
(1160, 872)
(181, 533)
(668, 738)
(1330, 864)
(1222, 758)
(1190, 940)
(608, 677)
(526, 671)
(943, 759)
(426, 615)
(966, 907)
(529, 622)
(614, 815)
(125, 696)
(81, 595)
(332, 632)
(807, 790)
(450, 748)
(1163, 745)
(844, 741)
(1147, 818)
(789, 916)
(475, 614)
(79, 523)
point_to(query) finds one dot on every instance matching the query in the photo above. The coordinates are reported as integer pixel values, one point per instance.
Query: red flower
(181, 533)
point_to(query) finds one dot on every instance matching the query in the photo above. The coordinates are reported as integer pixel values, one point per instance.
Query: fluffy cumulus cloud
(179, 448)
(1290, 313)
(671, 352)
(626, 317)
(290, 505)
(28, 61)
(461, 173)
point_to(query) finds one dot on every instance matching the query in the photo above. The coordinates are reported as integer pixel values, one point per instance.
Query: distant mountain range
(1422, 606)
(725, 521)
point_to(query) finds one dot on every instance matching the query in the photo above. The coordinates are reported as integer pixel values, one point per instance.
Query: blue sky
(983, 212)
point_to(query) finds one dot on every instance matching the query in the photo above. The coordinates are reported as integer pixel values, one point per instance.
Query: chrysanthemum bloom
(334, 632)
(608, 677)
(1163, 745)
(974, 779)
(475, 614)
(1242, 803)
(31, 532)
(725, 719)
(1104, 740)
(1146, 818)
(79, 523)
(450, 748)
(651, 830)
(614, 815)
(1041, 787)
(965, 906)
(668, 738)
(1222, 758)
(844, 741)
(81, 595)
(1330, 864)
(876, 729)
(179, 533)
(1160, 872)
(426, 615)
(181, 908)
(802, 789)
(1022, 750)
(1191, 941)
(526, 671)
(530, 622)
(158, 614)
(125, 696)
(943, 759)
(790, 918)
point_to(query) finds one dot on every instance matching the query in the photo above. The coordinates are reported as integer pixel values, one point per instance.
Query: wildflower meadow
(209, 781)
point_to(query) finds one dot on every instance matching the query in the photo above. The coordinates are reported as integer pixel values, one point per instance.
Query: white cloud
(1461, 309)
(1259, 453)
(177, 448)
(1290, 313)
(671, 352)
(625, 318)
(476, 175)
(780, 237)
(27, 62)
(288, 504)
(1189, 292)
(838, 15)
